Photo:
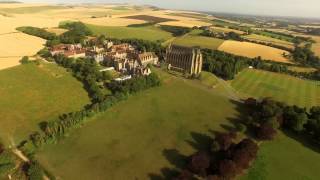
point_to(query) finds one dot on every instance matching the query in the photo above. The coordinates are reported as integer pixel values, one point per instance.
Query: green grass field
(281, 87)
(30, 94)
(139, 136)
(267, 39)
(285, 158)
(197, 40)
(150, 33)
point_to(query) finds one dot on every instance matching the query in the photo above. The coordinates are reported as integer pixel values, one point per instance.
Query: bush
(24, 60)
(35, 171)
(241, 127)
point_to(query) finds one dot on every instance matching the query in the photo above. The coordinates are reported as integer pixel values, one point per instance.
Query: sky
(296, 8)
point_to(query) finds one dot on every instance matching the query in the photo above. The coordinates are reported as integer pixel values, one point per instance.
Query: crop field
(160, 125)
(274, 35)
(253, 50)
(31, 94)
(266, 39)
(15, 45)
(196, 40)
(226, 30)
(316, 46)
(147, 33)
(147, 18)
(285, 158)
(256, 83)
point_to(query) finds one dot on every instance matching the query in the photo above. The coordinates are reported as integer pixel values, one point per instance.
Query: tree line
(267, 116)
(226, 65)
(176, 30)
(77, 32)
(86, 70)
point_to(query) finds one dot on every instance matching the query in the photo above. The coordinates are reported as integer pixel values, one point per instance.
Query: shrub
(24, 60)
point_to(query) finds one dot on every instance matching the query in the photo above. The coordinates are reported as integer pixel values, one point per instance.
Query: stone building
(184, 59)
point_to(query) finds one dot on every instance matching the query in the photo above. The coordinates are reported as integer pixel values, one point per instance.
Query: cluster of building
(129, 61)
(123, 58)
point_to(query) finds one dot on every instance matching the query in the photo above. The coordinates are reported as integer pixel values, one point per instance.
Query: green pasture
(197, 40)
(285, 158)
(140, 137)
(256, 83)
(31, 94)
(150, 33)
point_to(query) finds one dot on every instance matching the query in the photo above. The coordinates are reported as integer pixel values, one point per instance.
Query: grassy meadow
(281, 87)
(150, 33)
(139, 137)
(197, 40)
(31, 94)
(271, 40)
(285, 158)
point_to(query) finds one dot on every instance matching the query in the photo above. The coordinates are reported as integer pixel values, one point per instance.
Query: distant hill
(7, 2)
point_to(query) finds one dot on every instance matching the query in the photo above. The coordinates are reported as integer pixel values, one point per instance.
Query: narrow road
(24, 158)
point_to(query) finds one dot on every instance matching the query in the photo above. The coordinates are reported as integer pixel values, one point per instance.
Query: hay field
(316, 46)
(253, 50)
(266, 39)
(285, 88)
(15, 45)
(113, 21)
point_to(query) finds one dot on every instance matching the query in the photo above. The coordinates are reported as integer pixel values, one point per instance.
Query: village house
(68, 50)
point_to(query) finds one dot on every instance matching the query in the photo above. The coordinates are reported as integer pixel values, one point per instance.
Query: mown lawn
(197, 40)
(285, 158)
(30, 94)
(281, 87)
(150, 33)
(137, 138)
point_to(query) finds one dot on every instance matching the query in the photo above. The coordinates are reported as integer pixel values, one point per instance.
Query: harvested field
(186, 23)
(253, 50)
(15, 45)
(316, 46)
(266, 39)
(113, 21)
(147, 18)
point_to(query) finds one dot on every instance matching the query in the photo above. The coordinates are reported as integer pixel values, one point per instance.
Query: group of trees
(225, 159)
(176, 30)
(226, 65)
(304, 55)
(39, 32)
(267, 116)
(227, 36)
(223, 64)
(76, 34)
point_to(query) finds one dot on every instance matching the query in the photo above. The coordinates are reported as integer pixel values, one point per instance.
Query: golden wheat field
(15, 45)
(253, 50)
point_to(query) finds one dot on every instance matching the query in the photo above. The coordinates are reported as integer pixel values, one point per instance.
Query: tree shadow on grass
(166, 173)
(302, 139)
(200, 142)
